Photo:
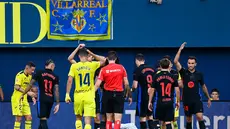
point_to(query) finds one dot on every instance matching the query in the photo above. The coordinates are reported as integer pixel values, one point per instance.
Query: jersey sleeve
(18, 80)
(96, 65)
(201, 79)
(56, 80)
(71, 71)
(182, 71)
(175, 84)
(101, 75)
(154, 83)
(124, 72)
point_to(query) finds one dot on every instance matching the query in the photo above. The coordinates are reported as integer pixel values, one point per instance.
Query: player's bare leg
(152, 123)
(97, 121)
(188, 122)
(28, 121)
(17, 123)
(163, 125)
(117, 123)
(199, 117)
(156, 124)
(43, 123)
(174, 123)
(168, 125)
(78, 123)
(88, 122)
(109, 119)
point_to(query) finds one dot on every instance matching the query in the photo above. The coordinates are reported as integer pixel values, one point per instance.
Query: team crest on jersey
(78, 22)
(191, 84)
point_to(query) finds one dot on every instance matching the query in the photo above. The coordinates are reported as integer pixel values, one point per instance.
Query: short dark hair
(112, 55)
(117, 61)
(49, 61)
(164, 63)
(140, 57)
(107, 61)
(215, 90)
(192, 58)
(30, 64)
(82, 52)
(167, 57)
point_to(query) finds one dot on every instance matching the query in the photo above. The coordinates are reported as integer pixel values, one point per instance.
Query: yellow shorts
(176, 114)
(84, 105)
(20, 108)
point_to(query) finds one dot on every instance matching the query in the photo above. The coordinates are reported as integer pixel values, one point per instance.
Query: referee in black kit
(48, 88)
(192, 80)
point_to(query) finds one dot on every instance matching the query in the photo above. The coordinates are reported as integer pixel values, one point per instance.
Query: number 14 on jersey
(84, 80)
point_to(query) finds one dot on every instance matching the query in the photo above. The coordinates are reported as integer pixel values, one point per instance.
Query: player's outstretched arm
(177, 57)
(72, 55)
(102, 59)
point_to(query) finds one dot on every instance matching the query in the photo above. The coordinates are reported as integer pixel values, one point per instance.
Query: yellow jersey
(83, 73)
(22, 80)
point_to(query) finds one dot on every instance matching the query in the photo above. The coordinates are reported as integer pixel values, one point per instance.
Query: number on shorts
(48, 86)
(86, 80)
(149, 79)
(166, 90)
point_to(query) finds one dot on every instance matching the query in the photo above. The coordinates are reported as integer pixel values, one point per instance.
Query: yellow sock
(78, 124)
(28, 124)
(175, 125)
(87, 126)
(17, 125)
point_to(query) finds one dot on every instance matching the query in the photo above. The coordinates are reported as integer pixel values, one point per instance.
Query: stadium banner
(79, 19)
(216, 117)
